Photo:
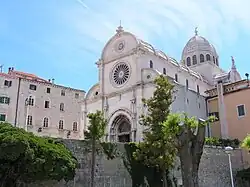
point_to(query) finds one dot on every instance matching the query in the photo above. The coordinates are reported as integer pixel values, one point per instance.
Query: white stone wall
(171, 70)
(11, 92)
(71, 113)
(127, 99)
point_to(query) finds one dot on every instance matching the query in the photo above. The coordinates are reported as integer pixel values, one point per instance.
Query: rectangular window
(4, 100)
(46, 104)
(60, 124)
(2, 117)
(176, 77)
(32, 87)
(76, 95)
(241, 110)
(48, 90)
(187, 84)
(7, 83)
(198, 89)
(62, 92)
(29, 120)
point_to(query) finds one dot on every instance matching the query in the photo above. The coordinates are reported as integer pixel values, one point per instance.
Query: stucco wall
(214, 169)
(238, 127)
(71, 113)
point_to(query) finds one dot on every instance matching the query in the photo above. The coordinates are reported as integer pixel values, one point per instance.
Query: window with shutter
(2, 117)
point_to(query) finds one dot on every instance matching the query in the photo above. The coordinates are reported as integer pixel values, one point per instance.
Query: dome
(198, 43)
(198, 49)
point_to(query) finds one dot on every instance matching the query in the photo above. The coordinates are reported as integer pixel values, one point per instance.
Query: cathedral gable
(120, 44)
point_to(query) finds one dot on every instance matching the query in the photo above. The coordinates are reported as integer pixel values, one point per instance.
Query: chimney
(12, 69)
(9, 70)
(49, 80)
(53, 80)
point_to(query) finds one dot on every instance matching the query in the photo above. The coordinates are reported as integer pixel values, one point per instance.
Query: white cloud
(219, 20)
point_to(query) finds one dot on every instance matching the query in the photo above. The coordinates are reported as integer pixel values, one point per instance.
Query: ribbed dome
(198, 44)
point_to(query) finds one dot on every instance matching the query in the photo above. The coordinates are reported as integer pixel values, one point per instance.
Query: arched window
(75, 126)
(186, 84)
(202, 59)
(61, 106)
(217, 63)
(208, 57)
(198, 89)
(46, 122)
(151, 65)
(214, 59)
(164, 71)
(176, 77)
(60, 124)
(194, 59)
(188, 61)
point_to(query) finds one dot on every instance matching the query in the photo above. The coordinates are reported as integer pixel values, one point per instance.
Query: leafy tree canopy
(27, 158)
(246, 142)
(188, 136)
(96, 129)
(157, 150)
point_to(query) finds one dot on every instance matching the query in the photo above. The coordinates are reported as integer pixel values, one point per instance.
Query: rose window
(121, 73)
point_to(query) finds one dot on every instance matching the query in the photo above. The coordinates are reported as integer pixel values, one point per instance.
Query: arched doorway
(121, 129)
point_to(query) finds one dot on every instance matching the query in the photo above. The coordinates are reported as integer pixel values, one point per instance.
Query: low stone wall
(214, 168)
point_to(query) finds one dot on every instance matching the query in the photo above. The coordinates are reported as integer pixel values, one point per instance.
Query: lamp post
(247, 76)
(229, 150)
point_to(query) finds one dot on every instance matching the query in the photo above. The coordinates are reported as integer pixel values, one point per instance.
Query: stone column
(222, 111)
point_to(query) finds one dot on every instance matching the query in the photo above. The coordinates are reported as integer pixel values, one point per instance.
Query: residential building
(230, 104)
(127, 68)
(39, 105)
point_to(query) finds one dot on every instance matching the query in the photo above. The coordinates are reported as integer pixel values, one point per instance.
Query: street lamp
(229, 150)
(247, 75)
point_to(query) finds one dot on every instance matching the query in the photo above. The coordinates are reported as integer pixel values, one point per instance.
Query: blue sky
(63, 39)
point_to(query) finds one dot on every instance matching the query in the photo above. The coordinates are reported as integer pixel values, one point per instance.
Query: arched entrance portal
(121, 129)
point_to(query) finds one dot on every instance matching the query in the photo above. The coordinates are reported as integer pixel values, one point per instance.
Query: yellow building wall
(238, 127)
(215, 127)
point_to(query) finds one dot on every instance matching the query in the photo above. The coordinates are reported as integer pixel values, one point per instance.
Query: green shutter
(7, 101)
(1, 99)
(2, 117)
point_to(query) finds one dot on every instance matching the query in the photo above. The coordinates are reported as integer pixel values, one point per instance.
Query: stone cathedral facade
(127, 68)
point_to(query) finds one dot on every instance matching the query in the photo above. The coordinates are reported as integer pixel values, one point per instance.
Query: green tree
(246, 142)
(188, 136)
(157, 150)
(26, 158)
(96, 130)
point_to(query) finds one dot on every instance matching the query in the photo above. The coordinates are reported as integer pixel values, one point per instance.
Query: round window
(121, 74)
(119, 46)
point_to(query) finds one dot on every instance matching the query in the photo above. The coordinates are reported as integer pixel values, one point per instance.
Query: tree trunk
(188, 170)
(190, 154)
(164, 178)
(93, 163)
